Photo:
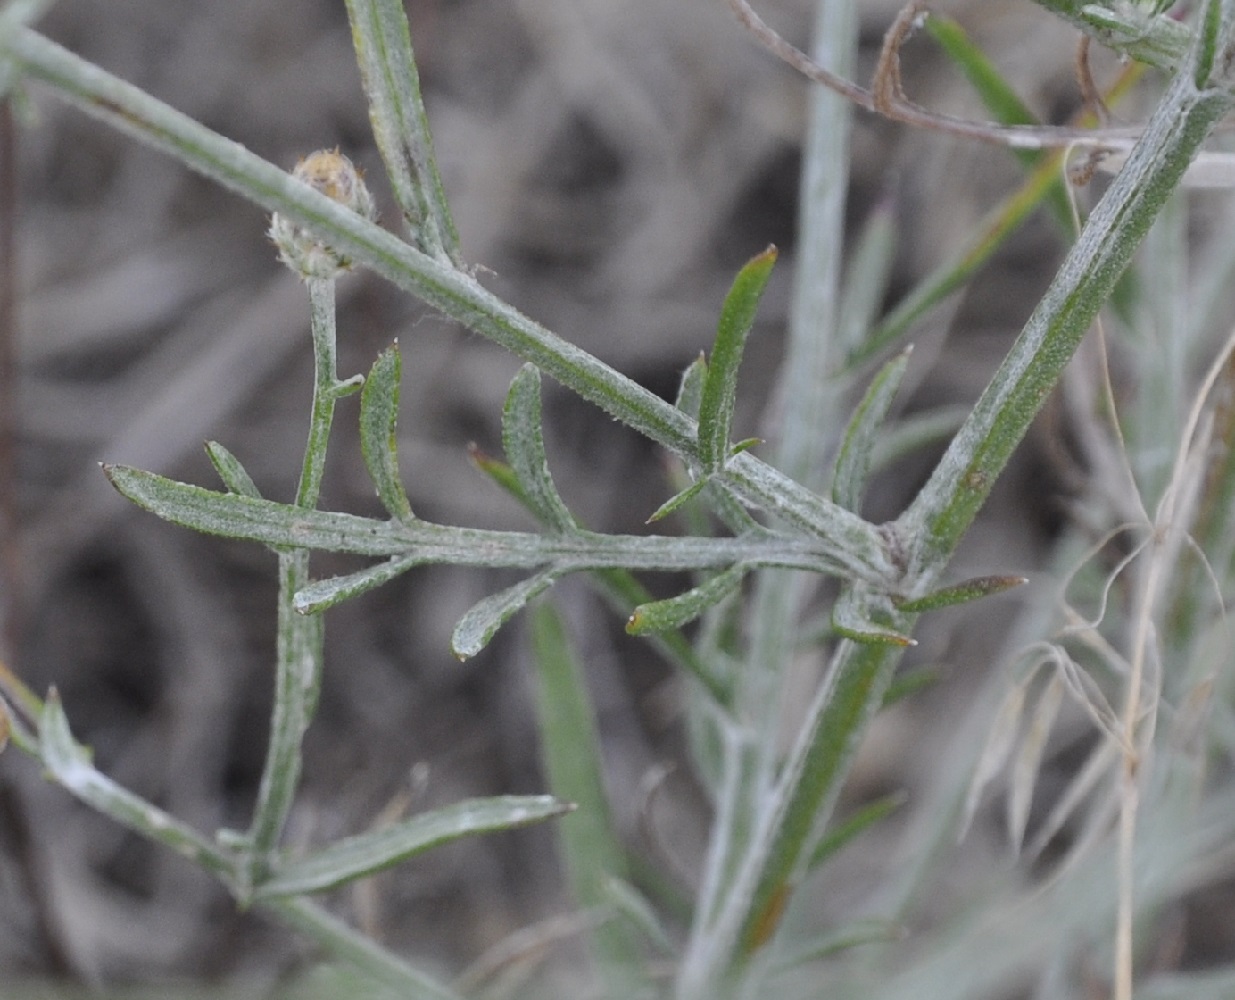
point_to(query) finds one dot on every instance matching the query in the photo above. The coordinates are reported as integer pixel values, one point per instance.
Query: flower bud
(334, 175)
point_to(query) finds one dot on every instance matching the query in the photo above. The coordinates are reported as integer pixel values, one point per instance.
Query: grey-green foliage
(773, 804)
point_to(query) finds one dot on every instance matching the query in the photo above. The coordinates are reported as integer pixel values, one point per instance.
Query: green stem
(793, 817)
(299, 641)
(807, 397)
(857, 546)
(258, 520)
(933, 525)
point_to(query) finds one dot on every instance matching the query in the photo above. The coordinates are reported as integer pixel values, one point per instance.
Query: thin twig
(1091, 96)
(896, 106)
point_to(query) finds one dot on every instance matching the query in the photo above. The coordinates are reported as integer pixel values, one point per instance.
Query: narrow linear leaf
(620, 587)
(379, 409)
(355, 857)
(961, 593)
(908, 683)
(999, 743)
(719, 396)
(1028, 761)
(690, 391)
(866, 280)
(674, 612)
(862, 819)
(500, 472)
(621, 590)
(481, 623)
(1000, 98)
(383, 46)
(851, 935)
(233, 474)
(853, 462)
(571, 748)
(237, 516)
(523, 440)
(677, 501)
(851, 617)
(323, 594)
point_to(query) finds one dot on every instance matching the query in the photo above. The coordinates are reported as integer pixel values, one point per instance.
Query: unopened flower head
(335, 176)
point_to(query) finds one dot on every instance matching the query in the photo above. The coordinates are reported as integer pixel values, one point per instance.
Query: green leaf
(233, 474)
(524, 442)
(958, 268)
(620, 587)
(571, 747)
(690, 391)
(910, 682)
(850, 935)
(379, 408)
(677, 501)
(853, 462)
(862, 819)
(500, 472)
(236, 516)
(323, 594)
(622, 590)
(355, 857)
(675, 612)
(962, 593)
(396, 111)
(481, 623)
(866, 280)
(719, 396)
(1001, 101)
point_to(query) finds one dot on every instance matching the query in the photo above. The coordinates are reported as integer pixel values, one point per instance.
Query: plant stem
(933, 525)
(807, 403)
(300, 636)
(857, 546)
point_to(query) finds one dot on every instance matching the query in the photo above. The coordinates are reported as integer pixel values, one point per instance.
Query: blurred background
(610, 164)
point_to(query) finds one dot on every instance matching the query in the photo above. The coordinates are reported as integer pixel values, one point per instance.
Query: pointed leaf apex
(961, 593)
(875, 636)
(676, 501)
